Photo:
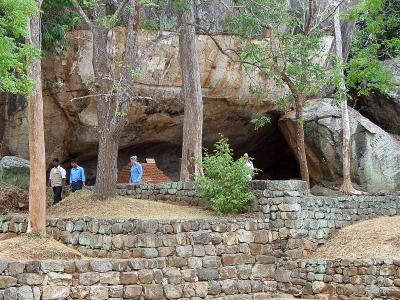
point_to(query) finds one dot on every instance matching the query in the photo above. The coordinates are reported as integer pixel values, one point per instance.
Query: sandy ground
(12, 198)
(80, 204)
(375, 238)
(35, 247)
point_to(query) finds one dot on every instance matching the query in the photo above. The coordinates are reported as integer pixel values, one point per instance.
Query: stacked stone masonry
(252, 256)
(163, 278)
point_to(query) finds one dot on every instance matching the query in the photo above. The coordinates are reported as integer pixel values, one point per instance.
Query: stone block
(89, 278)
(30, 279)
(111, 278)
(211, 262)
(53, 292)
(153, 291)
(201, 289)
(54, 278)
(127, 278)
(229, 286)
(98, 292)
(207, 274)
(173, 275)
(173, 291)
(132, 291)
(11, 293)
(101, 266)
(79, 292)
(145, 276)
(116, 291)
(24, 293)
(244, 236)
(262, 271)
(7, 281)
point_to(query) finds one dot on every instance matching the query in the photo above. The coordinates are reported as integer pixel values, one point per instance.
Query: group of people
(58, 177)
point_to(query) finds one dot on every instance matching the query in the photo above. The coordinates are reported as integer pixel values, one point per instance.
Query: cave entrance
(271, 153)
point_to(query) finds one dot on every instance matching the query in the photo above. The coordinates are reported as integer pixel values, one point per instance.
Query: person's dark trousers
(76, 185)
(57, 190)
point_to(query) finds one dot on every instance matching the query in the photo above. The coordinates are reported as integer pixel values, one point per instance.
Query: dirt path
(375, 238)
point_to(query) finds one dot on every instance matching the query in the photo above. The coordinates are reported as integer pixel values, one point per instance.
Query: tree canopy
(15, 54)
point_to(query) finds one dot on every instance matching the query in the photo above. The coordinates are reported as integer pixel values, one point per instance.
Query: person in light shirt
(249, 164)
(57, 180)
(77, 176)
(136, 171)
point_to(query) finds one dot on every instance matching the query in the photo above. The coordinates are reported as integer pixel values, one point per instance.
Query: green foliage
(15, 55)
(108, 21)
(58, 18)
(275, 41)
(260, 122)
(225, 183)
(149, 4)
(377, 38)
(148, 24)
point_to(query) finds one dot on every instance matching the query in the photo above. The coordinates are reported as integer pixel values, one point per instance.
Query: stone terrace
(251, 256)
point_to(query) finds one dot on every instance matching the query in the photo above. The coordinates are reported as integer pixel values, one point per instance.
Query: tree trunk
(107, 167)
(347, 186)
(37, 180)
(108, 147)
(192, 96)
(301, 149)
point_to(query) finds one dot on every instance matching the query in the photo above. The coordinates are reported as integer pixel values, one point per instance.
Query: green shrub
(225, 183)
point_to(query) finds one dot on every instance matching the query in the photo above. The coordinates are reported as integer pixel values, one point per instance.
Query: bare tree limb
(78, 7)
(330, 14)
(120, 8)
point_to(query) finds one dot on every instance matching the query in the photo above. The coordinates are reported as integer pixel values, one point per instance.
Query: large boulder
(15, 171)
(375, 157)
(384, 109)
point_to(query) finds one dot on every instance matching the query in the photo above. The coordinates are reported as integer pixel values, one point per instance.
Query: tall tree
(37, 156)
(20, 69)
(191, 94)
(114, 78)
(347, 186)
(283, 41)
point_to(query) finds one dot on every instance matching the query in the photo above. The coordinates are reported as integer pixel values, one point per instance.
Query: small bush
(225, 183)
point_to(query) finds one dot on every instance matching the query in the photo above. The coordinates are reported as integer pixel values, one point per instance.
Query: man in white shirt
(250, 165)
(57, 180)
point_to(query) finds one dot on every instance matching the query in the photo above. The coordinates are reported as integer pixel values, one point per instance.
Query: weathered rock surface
(15, 171)
(384, 109)
(71, 124)
(375, 159)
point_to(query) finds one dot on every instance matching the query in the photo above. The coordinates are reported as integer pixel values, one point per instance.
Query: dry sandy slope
(81, 204)
(375, 238)
(35, 247)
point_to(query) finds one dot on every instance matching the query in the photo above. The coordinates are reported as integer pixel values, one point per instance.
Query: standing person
(136, 171)
(250, 165)
(57, 180)
(77, 176)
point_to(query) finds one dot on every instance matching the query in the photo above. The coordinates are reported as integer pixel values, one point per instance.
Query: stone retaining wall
(167, 278)
(188, 193)
(314, 218)
(281, 227)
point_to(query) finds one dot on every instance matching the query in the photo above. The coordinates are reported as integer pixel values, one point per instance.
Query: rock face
(375, 155)
(384, 109)
(70, 125)
(15, 171)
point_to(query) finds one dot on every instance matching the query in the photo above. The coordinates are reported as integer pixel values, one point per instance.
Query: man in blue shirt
(136, 171)
(77, 176)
